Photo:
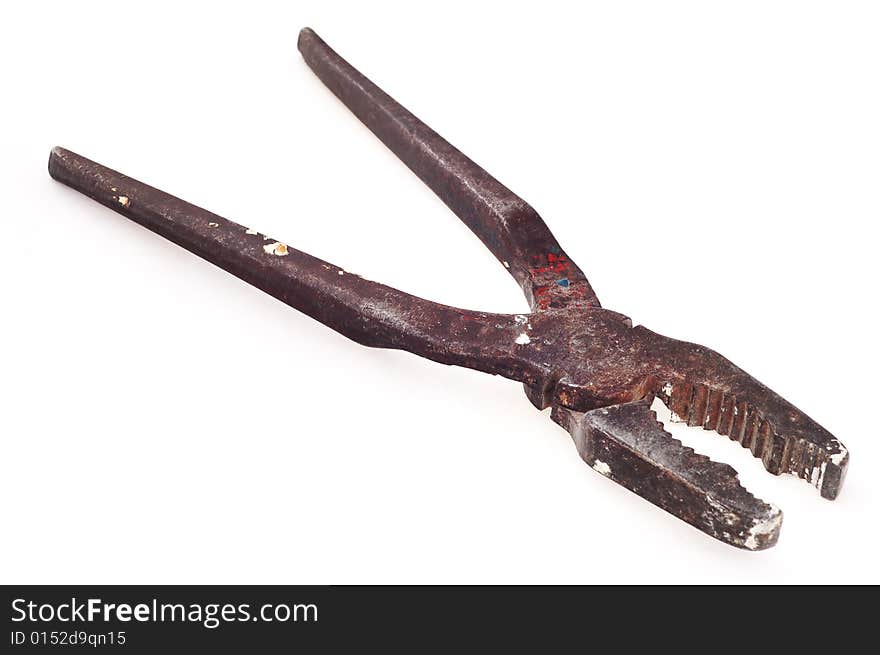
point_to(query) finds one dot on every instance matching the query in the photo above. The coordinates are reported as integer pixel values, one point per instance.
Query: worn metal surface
(597, 371)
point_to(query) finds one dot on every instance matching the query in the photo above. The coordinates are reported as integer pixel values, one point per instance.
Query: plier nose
(626, 442)
(596, 371)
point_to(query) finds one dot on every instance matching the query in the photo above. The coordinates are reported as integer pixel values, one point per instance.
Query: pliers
(597, 372)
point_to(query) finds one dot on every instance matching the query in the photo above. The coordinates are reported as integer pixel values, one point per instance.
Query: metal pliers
(597, 372)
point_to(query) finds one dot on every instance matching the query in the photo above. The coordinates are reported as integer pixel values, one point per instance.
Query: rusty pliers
(597, 372)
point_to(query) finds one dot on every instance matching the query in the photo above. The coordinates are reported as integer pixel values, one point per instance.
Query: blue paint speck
(563, 282)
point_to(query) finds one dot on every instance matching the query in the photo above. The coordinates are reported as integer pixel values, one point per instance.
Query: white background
(713, 167)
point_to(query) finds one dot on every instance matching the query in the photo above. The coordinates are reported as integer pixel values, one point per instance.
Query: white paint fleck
(520, 319)
(213, 224)
(506, 265)
(276, 248)
(523, 339)
(667, 389)
(766, 527)
(821, 475)
(729, 516)
(601, 467)
(123, 200)
(250, 230)
(714, 503)
(113, 188)
(837, 458)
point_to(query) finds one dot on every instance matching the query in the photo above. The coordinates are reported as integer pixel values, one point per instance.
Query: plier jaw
(626, 443)
(606, 375)
(596, 371)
